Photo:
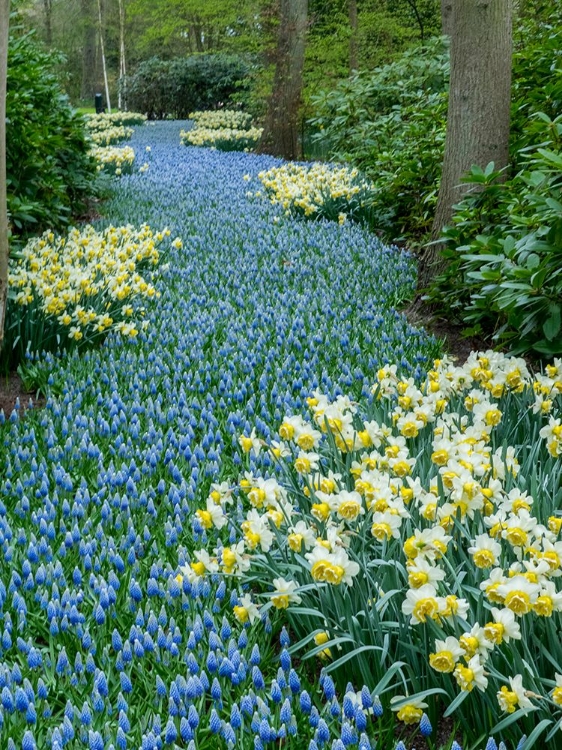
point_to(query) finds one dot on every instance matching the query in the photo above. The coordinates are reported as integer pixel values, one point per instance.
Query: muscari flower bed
(105, 642)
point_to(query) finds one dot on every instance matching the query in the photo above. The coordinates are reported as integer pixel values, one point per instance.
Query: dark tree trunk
(89, 51)
(353, 26)
(122, 100)
(281, 128)
(479, 107)
(48, 5)
(4, 236)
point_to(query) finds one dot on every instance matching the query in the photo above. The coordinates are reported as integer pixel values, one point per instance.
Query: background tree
(281, 134)
(89, 50)
(48, 6)
(479, 107)
(103, 59)
(4, 236)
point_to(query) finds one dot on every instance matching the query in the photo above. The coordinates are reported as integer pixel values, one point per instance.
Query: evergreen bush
(49, 169)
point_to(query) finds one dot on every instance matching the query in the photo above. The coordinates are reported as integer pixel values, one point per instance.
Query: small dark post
(98, 103)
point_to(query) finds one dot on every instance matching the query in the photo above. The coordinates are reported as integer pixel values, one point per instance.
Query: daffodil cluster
(111, 135)
(222, 118)
(318, 191)
(105, 120)
(222, 139)
(430, 486)
(79, 287)
(113, 160)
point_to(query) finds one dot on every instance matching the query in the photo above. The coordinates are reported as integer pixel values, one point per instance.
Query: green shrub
(177, 87)
(391, 124)
(505, 267)
(150, 89)
(49, 170)
(503, 246)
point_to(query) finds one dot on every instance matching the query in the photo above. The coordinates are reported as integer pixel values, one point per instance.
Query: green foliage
(505, 251)
(385, 28)
(176, 87)
(391, 124)
(504, 244)
(49, 170)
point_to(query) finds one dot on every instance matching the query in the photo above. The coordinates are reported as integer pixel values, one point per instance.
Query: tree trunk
(48, 5)
(281, 128)
(419, 19)
(446, 16)
(479, 107)
(353, 26)
(122, 98)
(4, 230)
(103, 63)
(88, 87)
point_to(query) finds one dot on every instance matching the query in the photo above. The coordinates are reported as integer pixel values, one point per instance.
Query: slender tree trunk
(353, 26)
(281, 128)
(88, 86)
(48, 5)
(479, 107)
(197, 34)
(103, 63)
(4, 230)
(122, 97)
(419, 20)
(446, 16)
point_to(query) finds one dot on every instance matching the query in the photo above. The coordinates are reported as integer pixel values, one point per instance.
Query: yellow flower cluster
(311, 189)
(114, 160)
(111, 135)
(221, 119)
(431, 481)
(104, 120)
(221, 138)
(89, 282)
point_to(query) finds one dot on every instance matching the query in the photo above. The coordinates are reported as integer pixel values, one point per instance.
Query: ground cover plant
(104, 641)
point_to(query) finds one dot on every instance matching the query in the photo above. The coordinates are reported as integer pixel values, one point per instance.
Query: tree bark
(103, 63)
(353, 27)
(281, 128)
(122, 97)
(446, 16)
(88, 87)
(479, 107)
(4, 229)
(48, 5)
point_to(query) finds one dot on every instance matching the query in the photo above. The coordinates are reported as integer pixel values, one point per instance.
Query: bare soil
(12, 389)
(457, 344)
